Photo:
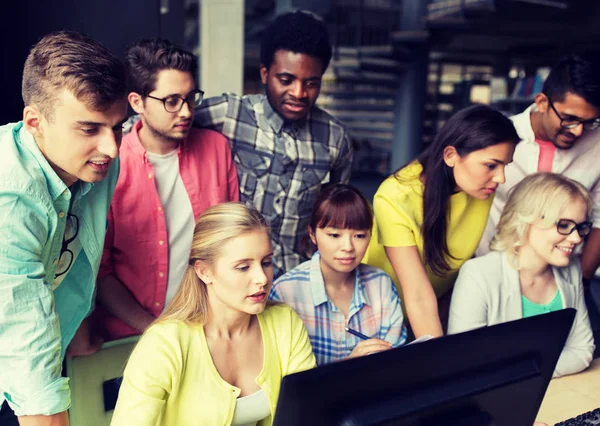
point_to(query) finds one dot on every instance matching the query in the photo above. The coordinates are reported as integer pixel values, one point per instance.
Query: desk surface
(88, 373)
(569, 396)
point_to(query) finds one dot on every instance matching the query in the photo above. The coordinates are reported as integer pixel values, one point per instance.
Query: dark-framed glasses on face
(174, 103)
(567, 226)
(571, 123)
(65, 259)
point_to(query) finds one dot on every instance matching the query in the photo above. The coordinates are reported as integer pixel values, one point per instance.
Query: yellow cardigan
(170, 379)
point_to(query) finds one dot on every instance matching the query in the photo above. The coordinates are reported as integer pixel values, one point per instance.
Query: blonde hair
(538, 199)
(215, 227)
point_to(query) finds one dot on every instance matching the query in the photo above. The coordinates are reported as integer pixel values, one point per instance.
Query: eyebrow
(496, 161)
(89, 123)
(251, 259)
(95, 123)
(287, 74)
(566, 115)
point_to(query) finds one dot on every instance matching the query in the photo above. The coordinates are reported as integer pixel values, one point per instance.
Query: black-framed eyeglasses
(567, 226)
(174, 103)
(571, 123)
(64, 250)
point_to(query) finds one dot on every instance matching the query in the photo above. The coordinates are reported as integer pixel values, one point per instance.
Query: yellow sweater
(398, 207)
(170, 379)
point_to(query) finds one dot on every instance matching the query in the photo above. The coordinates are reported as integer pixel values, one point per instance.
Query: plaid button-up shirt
(281, 165)
(374, 310)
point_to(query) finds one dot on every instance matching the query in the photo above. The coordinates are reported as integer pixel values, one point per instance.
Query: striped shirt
(374, 311)
(281, 165)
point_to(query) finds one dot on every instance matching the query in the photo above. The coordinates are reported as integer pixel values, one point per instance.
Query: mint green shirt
(38, 319)
(531, 309)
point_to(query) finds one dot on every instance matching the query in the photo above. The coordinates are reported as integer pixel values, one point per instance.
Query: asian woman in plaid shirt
(333, 291)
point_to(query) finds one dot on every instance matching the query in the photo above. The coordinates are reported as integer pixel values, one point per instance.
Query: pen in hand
(357, 334)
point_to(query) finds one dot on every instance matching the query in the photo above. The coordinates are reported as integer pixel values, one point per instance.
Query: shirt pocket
(251, 166)
(311, 179)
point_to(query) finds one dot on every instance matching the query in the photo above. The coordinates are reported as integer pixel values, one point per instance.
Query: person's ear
(32, 120)
(311, 235)
(136, 101)
(541, 102)
(203, 271)
(450, 156)
(264, 72)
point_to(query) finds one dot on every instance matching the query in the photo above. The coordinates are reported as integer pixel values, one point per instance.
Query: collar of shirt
(523, 125)
(56, 186)
(273, 118)
(276, 122)
(319, 295)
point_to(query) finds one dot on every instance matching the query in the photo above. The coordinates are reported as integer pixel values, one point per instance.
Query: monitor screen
(490, 376)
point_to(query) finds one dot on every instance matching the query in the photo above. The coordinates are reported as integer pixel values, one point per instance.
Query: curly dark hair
(298, 32)
(144, 59)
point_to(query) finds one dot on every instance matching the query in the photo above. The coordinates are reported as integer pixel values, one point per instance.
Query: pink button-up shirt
(136, 248)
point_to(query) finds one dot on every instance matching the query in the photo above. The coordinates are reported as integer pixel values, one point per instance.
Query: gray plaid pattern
(281, 166)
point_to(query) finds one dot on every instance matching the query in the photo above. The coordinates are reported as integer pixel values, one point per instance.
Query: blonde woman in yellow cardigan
(217, 355)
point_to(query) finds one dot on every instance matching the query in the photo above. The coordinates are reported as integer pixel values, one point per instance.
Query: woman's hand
(366, 347)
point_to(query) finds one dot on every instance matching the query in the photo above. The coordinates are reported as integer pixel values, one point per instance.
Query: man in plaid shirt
(283, 145)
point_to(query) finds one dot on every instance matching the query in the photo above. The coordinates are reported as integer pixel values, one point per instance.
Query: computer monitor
(490, 376)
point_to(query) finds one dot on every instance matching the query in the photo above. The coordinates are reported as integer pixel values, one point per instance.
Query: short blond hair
(215, 227)
(76, 62)
(539, 198)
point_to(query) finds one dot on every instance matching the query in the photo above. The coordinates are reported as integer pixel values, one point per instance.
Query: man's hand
(60, 419)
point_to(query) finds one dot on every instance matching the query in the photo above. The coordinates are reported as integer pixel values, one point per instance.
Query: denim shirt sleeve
(30, 338)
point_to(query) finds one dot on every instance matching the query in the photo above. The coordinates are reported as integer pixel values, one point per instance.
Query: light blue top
(36, 322)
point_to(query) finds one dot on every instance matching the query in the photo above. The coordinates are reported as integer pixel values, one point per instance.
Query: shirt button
(160, 274)
(157, 303)
(160, 209)
(55, 261)
(61, 214)
(161, 242)
(149, 175)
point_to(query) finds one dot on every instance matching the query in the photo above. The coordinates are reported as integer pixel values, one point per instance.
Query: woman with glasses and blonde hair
(217, 355)
(532, 268)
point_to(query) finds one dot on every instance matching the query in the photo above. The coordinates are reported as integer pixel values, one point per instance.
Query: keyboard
(586, 419)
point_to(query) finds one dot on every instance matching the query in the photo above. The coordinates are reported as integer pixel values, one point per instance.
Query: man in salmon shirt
(561, 134)
(169, 175)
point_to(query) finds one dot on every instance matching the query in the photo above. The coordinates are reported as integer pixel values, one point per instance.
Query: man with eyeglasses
(561, 134)
(58, 171)
(170, 173)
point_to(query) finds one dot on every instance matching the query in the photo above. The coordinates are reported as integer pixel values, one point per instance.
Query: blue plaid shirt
(374, 311)
(281, 165)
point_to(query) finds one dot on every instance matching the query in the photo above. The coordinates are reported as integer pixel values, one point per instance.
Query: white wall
(221, 46)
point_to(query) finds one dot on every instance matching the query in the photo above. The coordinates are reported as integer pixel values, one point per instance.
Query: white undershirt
(178, 215)
(251, 409)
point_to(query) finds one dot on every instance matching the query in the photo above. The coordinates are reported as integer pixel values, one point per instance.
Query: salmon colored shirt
(136, 248)
(546, 159)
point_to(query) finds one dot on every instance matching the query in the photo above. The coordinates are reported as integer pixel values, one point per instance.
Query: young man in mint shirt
(57, 176)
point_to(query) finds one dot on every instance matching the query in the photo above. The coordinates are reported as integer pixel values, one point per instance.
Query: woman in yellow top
(430, 214)
(217, 355)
